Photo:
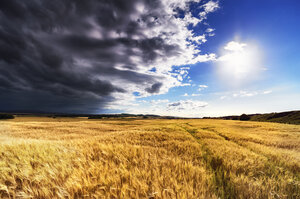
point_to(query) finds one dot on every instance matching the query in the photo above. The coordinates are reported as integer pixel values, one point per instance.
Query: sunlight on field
(126, 158)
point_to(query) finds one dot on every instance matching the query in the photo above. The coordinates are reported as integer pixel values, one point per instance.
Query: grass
(155, 158)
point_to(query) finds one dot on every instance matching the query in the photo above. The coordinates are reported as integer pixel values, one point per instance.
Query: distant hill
(5, 116)
(289, 117)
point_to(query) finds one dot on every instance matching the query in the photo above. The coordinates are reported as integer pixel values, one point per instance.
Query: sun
(239, 63)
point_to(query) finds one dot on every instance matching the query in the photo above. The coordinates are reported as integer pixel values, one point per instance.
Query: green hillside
(290, 117)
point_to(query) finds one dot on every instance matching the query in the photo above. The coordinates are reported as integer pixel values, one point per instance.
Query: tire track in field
(272, 166)
(276, 163)
(223, 184)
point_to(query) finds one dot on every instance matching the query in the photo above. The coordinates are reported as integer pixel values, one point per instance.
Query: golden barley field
(150, 158)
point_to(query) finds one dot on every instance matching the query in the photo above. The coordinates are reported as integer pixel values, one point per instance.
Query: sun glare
(239, 63)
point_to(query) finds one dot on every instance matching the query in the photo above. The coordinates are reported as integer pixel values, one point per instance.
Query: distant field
(127, 158)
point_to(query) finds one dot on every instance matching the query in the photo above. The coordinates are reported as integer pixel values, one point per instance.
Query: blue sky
(273, 28)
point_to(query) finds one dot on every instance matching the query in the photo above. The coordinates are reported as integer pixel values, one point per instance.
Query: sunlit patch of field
(126, 158)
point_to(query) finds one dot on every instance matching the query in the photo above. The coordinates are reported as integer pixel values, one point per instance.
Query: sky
(185, 58)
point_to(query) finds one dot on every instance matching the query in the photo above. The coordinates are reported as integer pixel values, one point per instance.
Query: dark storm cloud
(50, 56)
(75, 55)
(154, 88)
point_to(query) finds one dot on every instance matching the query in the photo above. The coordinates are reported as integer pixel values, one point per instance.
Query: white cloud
(267, 92)
(199, 39)
(195, 95)
(159, 101)
(209, 30)
(210, 6)
(186, 105)
(202, 87)
(235, 46)
(223, 97)
(192, 95)
(189, 108)
(122, 101)
(243, 93)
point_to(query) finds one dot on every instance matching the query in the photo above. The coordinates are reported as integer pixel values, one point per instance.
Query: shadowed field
(79, 158)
